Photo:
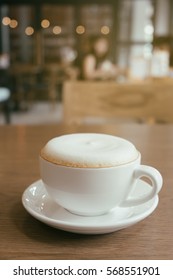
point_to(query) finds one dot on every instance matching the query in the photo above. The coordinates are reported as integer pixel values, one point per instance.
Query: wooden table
(24, 237)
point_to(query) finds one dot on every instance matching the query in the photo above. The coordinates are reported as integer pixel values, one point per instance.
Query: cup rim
(91, 168)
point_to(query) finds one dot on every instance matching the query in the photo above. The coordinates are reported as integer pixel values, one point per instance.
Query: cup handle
(156, 181)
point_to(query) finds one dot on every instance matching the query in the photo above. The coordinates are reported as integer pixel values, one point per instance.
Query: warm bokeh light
(45, 23)
(57, 29)
(105, 30)
(29, 30)
(80, 29)
(13, 23)
(6, 21)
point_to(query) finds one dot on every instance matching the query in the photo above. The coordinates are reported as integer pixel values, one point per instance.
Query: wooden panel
(139, 101)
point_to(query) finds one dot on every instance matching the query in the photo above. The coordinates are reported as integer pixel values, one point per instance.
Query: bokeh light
(29, 30)
(57, 29)
(80, 29)
(149, 29)
(45, 23)
(105, 30)
(6, 21)
(13, 23)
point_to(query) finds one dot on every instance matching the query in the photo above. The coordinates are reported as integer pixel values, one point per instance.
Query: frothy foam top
(89, 150)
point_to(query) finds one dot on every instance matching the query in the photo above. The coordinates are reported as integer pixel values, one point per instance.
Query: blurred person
(4, 70)
(5, 84)
(67, 69)
(67, 57)
(162, 56)
(164, 43)
(97, 65)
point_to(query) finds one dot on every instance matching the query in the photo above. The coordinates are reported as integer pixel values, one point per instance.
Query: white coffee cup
(92, 191)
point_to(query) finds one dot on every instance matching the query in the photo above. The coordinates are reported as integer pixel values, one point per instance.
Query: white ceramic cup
(95, 191)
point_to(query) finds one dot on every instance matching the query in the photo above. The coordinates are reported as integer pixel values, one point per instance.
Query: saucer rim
(70, 226)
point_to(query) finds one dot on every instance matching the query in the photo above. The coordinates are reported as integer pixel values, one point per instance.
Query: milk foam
(89, 150)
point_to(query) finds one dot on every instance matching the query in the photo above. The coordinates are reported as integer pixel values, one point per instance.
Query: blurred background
(43, 44)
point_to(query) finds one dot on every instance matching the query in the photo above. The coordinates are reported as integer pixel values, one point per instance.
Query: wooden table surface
(24, 237)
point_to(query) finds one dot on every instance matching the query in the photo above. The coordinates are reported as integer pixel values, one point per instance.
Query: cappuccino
(90, 174)
(89, 150)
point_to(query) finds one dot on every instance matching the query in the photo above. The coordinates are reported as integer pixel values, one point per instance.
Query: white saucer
(39, 204)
